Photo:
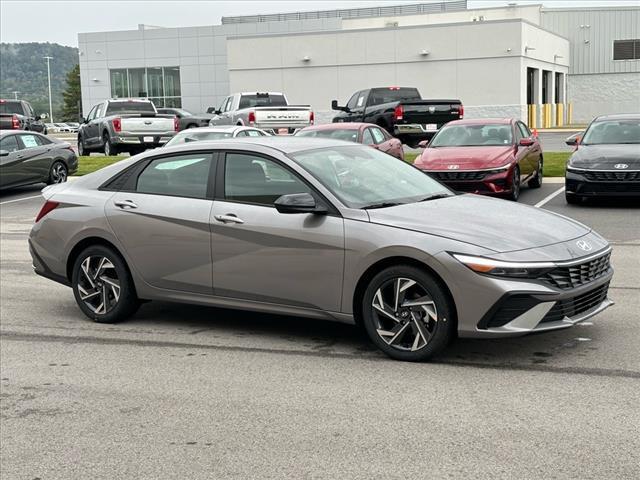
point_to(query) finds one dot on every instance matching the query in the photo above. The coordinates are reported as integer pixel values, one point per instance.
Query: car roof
(482, 121)
(284, 144)
(219, 128)
(4, 133)
(340, 126)
(618, 116)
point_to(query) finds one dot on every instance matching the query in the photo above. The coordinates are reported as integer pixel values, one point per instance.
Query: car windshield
(362, 177)
(262, 100)
(10, 107)
(613, 132)
(473, 135)
(130, 107)
(194, 136)
(350, 135)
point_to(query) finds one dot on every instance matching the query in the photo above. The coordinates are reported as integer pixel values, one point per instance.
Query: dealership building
(546, 66)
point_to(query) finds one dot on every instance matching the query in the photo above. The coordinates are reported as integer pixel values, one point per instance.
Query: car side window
(360, 101)
(518, 133)
(351, 104)
(524, 130)
(227, 105)
(9, 143)
(254, 179)
(178, 176)
(30, 141)
(254, 133)
(242, 133)
(92, 113)
(378, 136)
(367, 138)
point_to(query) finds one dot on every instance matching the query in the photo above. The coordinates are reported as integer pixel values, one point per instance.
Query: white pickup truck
(268, 111)
(125, 125)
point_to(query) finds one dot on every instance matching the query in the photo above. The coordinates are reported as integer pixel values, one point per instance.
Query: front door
(161, 217)
(262, 255)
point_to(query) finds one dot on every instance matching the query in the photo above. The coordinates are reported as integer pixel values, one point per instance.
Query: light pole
(49, 78)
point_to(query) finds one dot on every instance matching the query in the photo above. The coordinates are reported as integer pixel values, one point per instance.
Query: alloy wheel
(98, 284)
(406, 317)
(58, 173)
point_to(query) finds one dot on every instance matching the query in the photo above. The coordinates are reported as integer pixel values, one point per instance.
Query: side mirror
(298, 203)
(43, 116)
(83, 120)
(526, 142)
(574, 139)
(4, 153)
(335, 106)
(423, 144)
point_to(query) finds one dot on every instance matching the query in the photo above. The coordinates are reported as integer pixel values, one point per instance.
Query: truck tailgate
(431, 111)
(6, 121)
(289, 116)
(145, 125)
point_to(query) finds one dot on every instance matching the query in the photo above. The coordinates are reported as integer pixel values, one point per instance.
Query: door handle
(125, 204)
(228, 218)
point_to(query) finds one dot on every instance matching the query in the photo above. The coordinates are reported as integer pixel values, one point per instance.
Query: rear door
(36, 156)
(161, 217)
(91, 132)
(224, 117)
(262, 255)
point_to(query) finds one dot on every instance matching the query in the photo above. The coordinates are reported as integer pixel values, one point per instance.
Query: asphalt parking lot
(192, 392)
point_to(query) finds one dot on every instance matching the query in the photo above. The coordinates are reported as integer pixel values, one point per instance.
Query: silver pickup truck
(125, 125)
(268, 111)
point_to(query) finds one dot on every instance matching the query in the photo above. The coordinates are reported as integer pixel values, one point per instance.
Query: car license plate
(431, 127)
(147, 139)
(283, 131)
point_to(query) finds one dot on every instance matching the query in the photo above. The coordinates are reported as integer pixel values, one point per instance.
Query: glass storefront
(160, 84)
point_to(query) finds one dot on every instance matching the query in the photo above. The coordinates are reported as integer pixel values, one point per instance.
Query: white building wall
(602, 94)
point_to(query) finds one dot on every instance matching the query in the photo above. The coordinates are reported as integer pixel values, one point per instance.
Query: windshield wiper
(435, 196)
(381, 205)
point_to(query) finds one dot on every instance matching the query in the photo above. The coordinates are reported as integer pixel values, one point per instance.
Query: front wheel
(57, 173)
(407, 314)
(102, 285)
(515, 185)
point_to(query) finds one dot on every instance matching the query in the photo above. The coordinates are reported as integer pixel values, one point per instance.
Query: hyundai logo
(621, 166)
(453, 167)
(584, 245)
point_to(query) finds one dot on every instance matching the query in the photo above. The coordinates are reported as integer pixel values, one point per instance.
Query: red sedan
(485, 156)
(365, 133)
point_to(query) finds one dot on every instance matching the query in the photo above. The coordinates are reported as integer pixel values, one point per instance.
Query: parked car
(606, 161)
(401, 111)
(19, 115)
(317, 228)
(50, 128)
(365, 133)
(214, 133)
(269, 111)
(30, 157)
(125, 125)
(62, 127)
(488, 156)
(187, 119)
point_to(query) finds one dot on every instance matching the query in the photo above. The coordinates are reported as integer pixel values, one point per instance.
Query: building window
(160, 84)
(626, 49)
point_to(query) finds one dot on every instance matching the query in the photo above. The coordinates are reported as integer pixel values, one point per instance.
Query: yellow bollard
(532, 119)
(559, 114)
(569, 113)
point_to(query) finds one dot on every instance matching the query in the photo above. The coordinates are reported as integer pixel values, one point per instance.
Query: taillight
(176, 123)
(117, 124)
(461, 111)
(252, 117)
(15, 123)
(398, 113)
(312, 118)
(46, 208)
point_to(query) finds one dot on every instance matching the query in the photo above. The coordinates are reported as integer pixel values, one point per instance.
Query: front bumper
(483, 182)
(602, 183)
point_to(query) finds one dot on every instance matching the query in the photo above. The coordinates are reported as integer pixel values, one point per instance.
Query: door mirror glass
(335, 106)
(574, 139)
(83, 120)
(4, 153)
(526, 142)
(298, 203)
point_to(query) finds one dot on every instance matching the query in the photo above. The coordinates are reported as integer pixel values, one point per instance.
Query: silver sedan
(317, 228)
(214, 133)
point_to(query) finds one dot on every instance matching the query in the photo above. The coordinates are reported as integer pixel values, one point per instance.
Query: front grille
(572, 307)
(613, 176)
(577, 275)
(457, 176)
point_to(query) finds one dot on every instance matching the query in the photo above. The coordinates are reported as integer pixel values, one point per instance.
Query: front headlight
(489, 266)
(497, 170)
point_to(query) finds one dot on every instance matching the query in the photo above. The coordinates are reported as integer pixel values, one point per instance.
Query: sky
(60, 21)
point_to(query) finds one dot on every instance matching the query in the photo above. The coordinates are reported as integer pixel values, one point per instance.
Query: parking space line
(549, 197)
(20, 199)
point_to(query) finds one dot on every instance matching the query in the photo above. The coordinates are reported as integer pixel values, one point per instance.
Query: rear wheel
(102, 285)
(57, 173)
(407, 314)
(110, 149)
(82, 150)
(515, 185)
(536, 181)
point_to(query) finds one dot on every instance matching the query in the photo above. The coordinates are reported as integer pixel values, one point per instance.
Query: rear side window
(179, 176)
(378, 136)
(367, 138)
(31, 141)
(9, 143)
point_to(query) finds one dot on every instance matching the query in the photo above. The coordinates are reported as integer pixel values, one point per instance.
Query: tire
(110, 149)
(105, 269)
(536, 182)
(412, 333)
(82, 150)
(515, 185)
(572, 198)
(58, 173)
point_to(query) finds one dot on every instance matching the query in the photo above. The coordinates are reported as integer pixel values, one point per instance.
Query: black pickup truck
(19, 115)
(401, 111)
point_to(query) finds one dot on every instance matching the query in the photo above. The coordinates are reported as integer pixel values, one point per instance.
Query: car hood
(606, 157)
(494, 224)
(467, 158)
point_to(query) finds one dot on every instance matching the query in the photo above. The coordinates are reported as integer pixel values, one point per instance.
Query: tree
(72, 107)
